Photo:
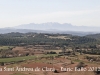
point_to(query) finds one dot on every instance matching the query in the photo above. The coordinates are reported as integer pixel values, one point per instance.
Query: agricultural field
(6, 47)
(56, 63)
(16, 59)
(49, 54)
(57, 51)
(59, 37)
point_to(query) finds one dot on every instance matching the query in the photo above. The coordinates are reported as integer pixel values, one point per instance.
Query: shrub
(72, 62)
(81, 64)
(97, 72)
(56, 71)
(2, 63)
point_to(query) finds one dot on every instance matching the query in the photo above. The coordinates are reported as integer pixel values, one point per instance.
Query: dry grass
(59, 37)
(57, 51)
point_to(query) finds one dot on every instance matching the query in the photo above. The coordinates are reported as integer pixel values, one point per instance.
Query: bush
(72, 62)
(81, 64)
(97, 71)
(2, 63)
(56, 71)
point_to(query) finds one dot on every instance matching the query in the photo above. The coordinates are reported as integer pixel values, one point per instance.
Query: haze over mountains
(52, 27)
(57, 26)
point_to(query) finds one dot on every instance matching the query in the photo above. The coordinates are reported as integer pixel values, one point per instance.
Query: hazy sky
(76, 12)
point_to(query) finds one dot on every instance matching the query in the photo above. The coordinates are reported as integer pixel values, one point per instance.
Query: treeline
(36, 38)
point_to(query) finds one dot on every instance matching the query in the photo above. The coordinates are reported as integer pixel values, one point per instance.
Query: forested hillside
(96, 36)
(42, 38)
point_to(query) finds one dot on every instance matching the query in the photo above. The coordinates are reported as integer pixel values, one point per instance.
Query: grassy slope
(21, 58)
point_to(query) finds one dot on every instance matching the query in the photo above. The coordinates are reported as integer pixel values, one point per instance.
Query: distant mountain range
(52, 27)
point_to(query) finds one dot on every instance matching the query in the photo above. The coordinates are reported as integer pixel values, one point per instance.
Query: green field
(5, 47)
(15, 59)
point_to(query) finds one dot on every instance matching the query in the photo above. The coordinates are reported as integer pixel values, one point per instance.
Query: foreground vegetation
(24, 58)
(59, 49)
